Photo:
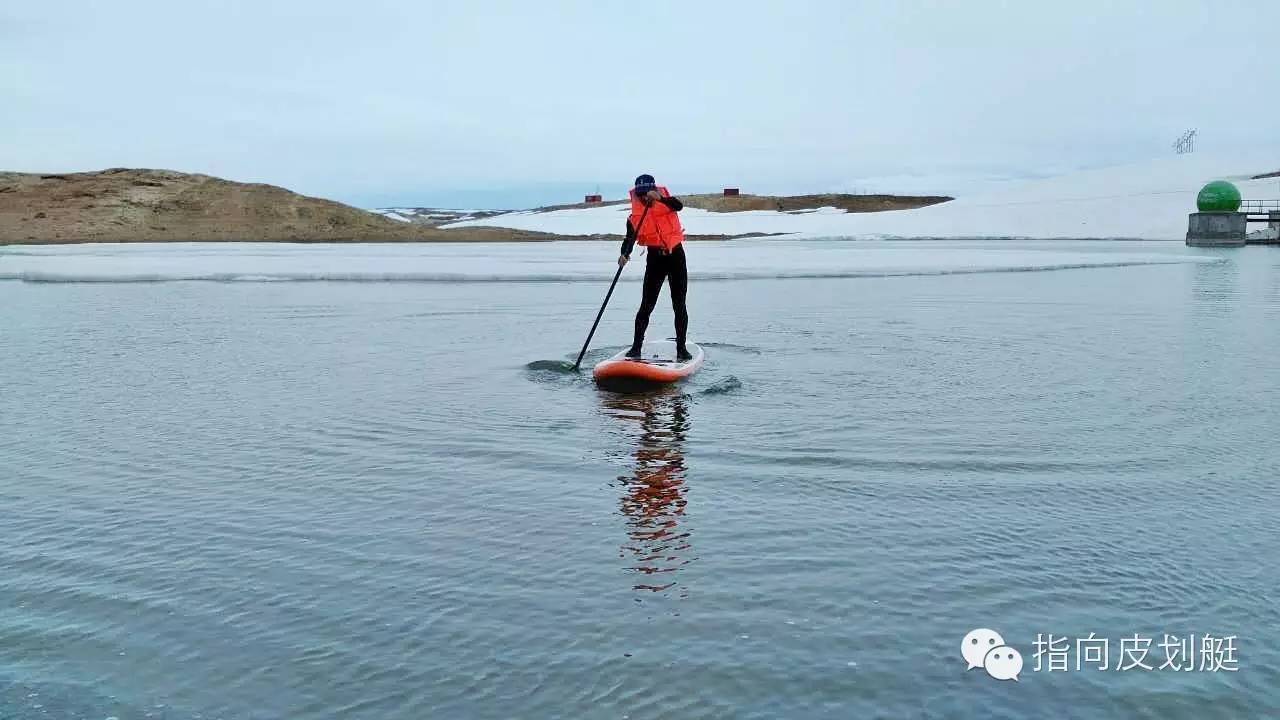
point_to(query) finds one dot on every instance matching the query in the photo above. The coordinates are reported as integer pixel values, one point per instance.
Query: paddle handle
(607, 295)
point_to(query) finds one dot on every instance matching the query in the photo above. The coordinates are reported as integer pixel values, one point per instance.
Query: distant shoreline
(460, 238)
(124, 205)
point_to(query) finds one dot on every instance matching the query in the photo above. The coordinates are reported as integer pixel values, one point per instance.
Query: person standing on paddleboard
(654, 210)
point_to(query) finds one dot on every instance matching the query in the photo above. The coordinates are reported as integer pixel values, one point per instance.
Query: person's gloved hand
(622, 260)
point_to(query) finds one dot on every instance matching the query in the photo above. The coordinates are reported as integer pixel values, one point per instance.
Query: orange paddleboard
(658, 365)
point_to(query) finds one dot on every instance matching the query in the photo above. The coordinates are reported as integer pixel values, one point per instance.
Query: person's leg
(655, 271)
(678, 277)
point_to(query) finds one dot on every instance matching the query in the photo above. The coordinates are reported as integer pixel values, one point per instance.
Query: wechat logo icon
(984, 648)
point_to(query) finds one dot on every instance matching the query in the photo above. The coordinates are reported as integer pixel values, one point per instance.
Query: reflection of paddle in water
(653, 499)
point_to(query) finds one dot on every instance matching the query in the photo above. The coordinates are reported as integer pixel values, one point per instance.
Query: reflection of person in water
(653, 501)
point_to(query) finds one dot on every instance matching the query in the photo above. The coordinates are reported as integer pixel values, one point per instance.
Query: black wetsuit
(661, 266)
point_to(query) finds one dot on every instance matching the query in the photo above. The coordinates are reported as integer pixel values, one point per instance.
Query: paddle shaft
(608, 295)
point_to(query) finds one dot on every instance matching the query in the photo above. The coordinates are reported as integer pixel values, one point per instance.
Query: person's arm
(672, 202)
(629, 240)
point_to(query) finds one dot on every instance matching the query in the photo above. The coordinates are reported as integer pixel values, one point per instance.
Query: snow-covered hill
(432, 216)
(1147, 200)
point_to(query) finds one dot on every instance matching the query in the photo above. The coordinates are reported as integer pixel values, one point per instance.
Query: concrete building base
(1217, 229)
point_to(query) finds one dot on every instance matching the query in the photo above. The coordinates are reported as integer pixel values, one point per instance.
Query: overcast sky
(482, 103)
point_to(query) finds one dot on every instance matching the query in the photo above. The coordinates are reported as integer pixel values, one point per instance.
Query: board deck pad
(657, 365)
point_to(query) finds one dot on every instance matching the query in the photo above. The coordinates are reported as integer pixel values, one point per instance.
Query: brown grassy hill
(128, 205)
(792, 203)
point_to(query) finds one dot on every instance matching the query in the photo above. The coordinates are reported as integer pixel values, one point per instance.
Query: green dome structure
(1218, 196)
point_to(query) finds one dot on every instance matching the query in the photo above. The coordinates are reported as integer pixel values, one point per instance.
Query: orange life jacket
(661, 228)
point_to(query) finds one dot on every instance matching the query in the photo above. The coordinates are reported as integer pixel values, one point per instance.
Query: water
(240, 498)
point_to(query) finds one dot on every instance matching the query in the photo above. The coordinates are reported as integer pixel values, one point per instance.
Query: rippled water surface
(228, 495)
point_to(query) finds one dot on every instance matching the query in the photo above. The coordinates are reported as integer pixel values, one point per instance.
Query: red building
(730, 192)
(593, 199)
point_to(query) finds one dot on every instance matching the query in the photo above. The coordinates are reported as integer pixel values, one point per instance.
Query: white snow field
(1148, 200)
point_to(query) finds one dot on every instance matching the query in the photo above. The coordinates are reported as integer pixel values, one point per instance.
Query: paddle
(607, 295)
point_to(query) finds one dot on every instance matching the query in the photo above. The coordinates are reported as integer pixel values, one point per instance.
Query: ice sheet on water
(561, 261)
